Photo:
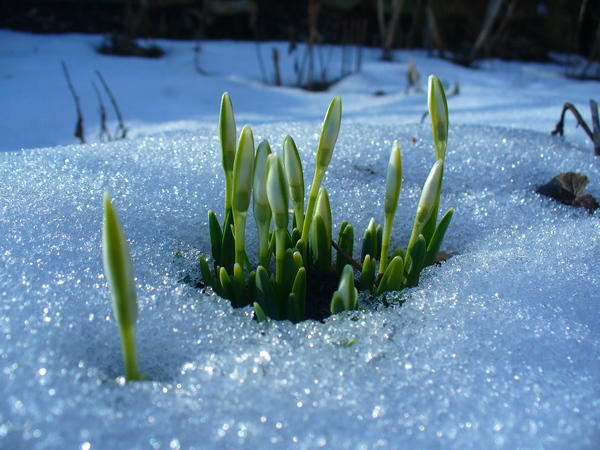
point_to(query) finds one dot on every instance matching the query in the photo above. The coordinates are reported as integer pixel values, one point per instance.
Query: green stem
(429, 227)
(228, 189)
(280, 238)
(385, 243)
(129, 354)
(312, 200)
(263, 245)
(299, 215)
(239, 229)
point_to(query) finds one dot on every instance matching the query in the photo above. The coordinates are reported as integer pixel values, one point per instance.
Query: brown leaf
(586, 201)
(572, 182)
(564, 187)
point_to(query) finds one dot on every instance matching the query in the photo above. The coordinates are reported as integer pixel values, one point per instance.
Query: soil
(320, 288)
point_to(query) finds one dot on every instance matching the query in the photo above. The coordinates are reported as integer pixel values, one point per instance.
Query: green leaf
(346, 244)
(226, 284)
(343, 226)
(118, 267)
(416, 255)
(217, 286)
(346, 288)
(301, 247)
(393, 277)
(369, 243)
(350, 342)
(205, 271)
(228, 245)
(367, 276)
(295, 236)
(320, 244)
(288, 274)
(324, 210)
(438, 236)
(260, 314)
(297, 298)
(238, 285)
(379, 234)
(119, 275)
(216, 236)
(265, 294)
(337, 303)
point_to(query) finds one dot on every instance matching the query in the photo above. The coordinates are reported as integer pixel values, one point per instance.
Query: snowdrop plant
(303, 252)
(119, 274)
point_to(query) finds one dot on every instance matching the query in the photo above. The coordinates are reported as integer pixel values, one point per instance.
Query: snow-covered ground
(157, 95)
(498, 347)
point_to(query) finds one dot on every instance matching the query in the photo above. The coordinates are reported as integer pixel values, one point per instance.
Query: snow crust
(498, 347)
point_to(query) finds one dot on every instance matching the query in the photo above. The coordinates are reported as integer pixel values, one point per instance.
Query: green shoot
(329, 134)
(119, 274)
(295, 177)
(392, 193)
(262, 210)
(227, 135)
(243, 169)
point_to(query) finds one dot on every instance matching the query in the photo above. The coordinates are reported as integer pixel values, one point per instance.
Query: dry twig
(593, 135)
(79, 133)
(121, 131)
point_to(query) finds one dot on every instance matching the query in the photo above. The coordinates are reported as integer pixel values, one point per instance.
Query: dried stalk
(104, 133)
(593, 135)
(347, 257)
(79, 133)
(121, 131)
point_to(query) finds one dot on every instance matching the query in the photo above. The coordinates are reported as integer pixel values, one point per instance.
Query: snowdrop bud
(438, 111)
(117, 267)
(293, 170)
(346, 288)
(371, 227)
(429, 192)
(393, 180)
(243, 169)
(324, 209)
(329, 132)
(262, 210)
(227, 133)
(277, 192)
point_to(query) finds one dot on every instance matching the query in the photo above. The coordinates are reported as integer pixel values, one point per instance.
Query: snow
(497, 347)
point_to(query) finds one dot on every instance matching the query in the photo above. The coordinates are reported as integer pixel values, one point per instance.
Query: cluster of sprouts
(296, 231)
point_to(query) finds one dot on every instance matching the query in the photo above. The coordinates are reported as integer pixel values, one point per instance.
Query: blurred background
(459, 30)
